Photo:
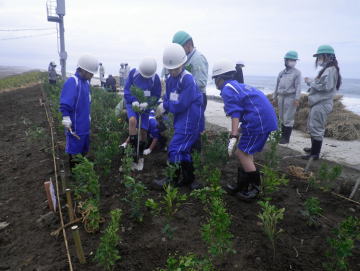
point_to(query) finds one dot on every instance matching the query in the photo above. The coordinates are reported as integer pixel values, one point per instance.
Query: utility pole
(55, 13)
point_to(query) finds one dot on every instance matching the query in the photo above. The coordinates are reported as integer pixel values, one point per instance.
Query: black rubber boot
(252, 178)
(315, 150)
(187, 169)
(133, 143)
(308, 150)
(241, 185)
(159, 184)
(142, 147)
(285, 134)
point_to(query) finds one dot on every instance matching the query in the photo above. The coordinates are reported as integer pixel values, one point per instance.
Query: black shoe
(308, 156)
(187, 170)
(196, 185)
(308, 150)
(241, 185)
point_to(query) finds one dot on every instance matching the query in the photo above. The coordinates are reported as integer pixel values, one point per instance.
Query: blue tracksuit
(75, 101)
(184, 100)
(255, 112)
(151, 87)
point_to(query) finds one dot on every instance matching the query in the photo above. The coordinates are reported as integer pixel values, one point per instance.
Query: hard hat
(52, 63)
(324, 49)
(181, 37)
(291, 55)
(174, 56)
(240, 62)
(88, 63)
(221, 67)
(147, 67)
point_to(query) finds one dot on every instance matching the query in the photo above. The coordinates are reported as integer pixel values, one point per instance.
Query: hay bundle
(342, 124)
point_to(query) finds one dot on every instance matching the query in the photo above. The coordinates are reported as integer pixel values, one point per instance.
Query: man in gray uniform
(287, 94)
(196, 62)
(52, 73)
(321, 95)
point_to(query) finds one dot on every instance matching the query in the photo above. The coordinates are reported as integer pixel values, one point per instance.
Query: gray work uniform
(287, 91)
(52, 74)
(198, 66)
(321, 95)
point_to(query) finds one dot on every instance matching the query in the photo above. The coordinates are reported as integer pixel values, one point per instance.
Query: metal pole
(63, 54)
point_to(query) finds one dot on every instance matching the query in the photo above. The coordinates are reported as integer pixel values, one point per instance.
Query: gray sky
(259, 32)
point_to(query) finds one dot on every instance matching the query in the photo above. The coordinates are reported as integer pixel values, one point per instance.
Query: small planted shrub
(271, 181)
(270, 217)
(312, 211)
(327, 175)
(216, 232)
(342, 245)
(168, 207)
(190, 262)
(271, 156)
(107, 253)
(90, 213)
(135, 196)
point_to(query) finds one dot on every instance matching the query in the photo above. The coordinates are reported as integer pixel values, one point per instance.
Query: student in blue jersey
(184, 100)
(146, 79)
(75, 101)
(155, 138)
(251, 107)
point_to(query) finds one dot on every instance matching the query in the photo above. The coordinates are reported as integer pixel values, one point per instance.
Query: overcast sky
(259, 31)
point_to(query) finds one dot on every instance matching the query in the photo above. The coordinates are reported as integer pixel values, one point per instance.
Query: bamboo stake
(63, 180)
(56, 232)
(79, 248)
(69, 205)
(343, 197)
(57, 186)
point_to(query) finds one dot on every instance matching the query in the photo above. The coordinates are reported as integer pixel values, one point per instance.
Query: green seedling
(140, 96)
(327, 176)
(216, 232)
(271, 181)
(107, 253)
(312, 211)
(135, 194)
(270, 217)
(190, 262)
(171, 170)
(91, 215)
(271, 156)
(168, 206)
(342, 245)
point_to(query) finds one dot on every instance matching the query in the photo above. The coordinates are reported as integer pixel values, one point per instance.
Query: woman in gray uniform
(287, 94)
(321, 93)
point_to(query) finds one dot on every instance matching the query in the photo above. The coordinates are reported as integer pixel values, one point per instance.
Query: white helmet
(52, 63)
(174, 56)
(221, 67)
(88, 63)
(147, 67)
(240, 62)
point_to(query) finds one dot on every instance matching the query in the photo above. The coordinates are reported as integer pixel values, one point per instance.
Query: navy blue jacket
(75, 101)
(184, 100)
(251, 106)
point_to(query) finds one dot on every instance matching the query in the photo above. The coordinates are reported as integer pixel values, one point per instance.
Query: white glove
(66, 122)
(147, 151)
(135, 105)
(123, 145)
(160, 110)
(143, 106)
(231, 146)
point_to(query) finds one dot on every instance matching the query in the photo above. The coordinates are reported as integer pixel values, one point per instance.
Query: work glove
(66, 122)
(135, 105)
(143, 106)
(231, 146)
(160, 110)
(147, 152)
(123, 145)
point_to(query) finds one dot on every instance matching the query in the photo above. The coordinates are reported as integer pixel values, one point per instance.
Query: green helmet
(181, 37)
(324, 49)
(291, 55)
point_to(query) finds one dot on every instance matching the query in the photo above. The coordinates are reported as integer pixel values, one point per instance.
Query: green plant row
(23, 79)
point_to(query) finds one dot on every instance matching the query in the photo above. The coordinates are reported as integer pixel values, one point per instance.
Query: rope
(57, 184)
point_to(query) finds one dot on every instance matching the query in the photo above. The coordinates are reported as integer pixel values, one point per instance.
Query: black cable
(24, 29)
(29, 36)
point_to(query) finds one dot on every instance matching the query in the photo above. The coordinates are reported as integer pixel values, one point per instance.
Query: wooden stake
(63, 181)
(79, 248)
(69, 205)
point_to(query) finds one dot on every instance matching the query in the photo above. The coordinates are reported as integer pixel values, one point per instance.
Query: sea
(350, 89)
